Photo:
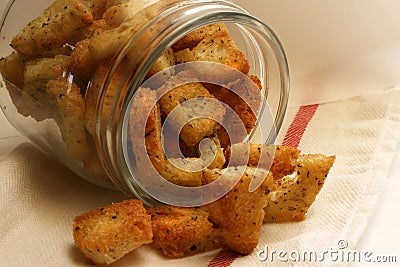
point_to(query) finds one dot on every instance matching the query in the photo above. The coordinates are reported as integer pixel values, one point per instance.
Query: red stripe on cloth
(224, 258)
(292, 138)
(299, 125)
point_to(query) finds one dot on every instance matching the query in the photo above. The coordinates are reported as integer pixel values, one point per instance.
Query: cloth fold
(40, 198)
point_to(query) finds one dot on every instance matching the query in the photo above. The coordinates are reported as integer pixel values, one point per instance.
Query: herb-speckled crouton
(294, 196)
(179, 232)
(53, 28)
(105, 235)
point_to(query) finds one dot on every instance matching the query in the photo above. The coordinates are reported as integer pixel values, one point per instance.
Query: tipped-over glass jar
(92, 83)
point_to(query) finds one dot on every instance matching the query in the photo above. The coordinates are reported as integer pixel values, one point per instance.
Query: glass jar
(72, 85)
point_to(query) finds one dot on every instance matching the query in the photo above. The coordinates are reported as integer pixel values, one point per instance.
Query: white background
(336, 49)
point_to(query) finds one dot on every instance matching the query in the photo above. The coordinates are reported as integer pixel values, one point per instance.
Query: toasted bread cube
(153, 141)
(180, 232)
(109, 96)
(146, 98)
(12, 72)
(219, 48)
(105, 235)
(90, 52)
(111, 3)
(294, 196)
(100, 45)
(193, 38)
(166, 60)
(39, 72)
(217, 153)
(285, 161)
(243, 96)
(82, 63)
(119, 11)
(89, 30)
(162, 67)
(53, 28)
(97, 7)
(12, 69)
(70, 107)
(105, 42)
(280, 160)
(195, 118)
(240, 213)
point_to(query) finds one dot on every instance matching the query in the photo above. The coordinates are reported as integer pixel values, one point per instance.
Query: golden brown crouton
(12, 72)
(217, 153)
(165, 61)
(195, 118)
(218, 48)
(70, 112)
(90, 52)
(12, 69)
(105, 235)
(179, 232)
(146, 99)
(111, 3)
(239, 214)
(193, 38)
(294, 196)
(280, 160)
(53, 28)
(82, 63)
(88, 31)
(119, 11)
(245, 99)
(167, 168)
(39, 72)
(97, 7)
(107, 87)
(285, 161)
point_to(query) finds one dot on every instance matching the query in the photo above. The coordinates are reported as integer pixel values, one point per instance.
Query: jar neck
(168, 21)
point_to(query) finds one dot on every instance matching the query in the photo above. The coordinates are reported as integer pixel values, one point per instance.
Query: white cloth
(39, 198)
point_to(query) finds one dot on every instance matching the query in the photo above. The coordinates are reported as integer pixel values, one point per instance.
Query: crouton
(105, 235)
(193, 38)
(280, 160)
(180, 232)
(294, 195)
(69, 114)
(285, 161)
(97, 7)
(119, 11)
(53, 28)
(219, 48)
(82, 63)
(165, 61)
(12, 73)
(243, 96)
(195, 121)
(167, 168)
(39, 72)
(88, 31)
(12, 69)
(240, 213)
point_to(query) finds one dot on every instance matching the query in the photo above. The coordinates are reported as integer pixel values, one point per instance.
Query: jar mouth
(140, 147)
(170, 24)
